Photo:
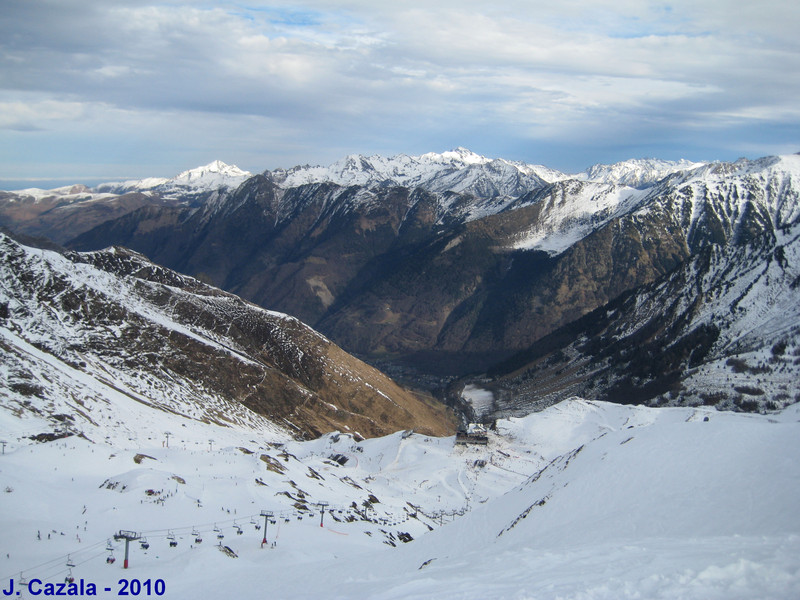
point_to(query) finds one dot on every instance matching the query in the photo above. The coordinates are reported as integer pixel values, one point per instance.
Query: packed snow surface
(583, 500)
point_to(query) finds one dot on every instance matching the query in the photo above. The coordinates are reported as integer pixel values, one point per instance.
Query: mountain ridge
(78, 329)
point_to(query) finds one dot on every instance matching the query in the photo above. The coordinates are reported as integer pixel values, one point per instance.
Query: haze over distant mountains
(449, 264)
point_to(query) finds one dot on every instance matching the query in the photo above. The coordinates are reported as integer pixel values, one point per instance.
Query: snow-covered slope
(90, 337)
(718, 198)
(585, 500)
(570, 210)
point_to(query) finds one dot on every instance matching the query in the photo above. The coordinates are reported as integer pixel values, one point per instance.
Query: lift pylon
(267, 514)
(128, 536)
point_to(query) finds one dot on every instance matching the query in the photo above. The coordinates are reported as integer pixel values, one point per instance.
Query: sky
(102, 90)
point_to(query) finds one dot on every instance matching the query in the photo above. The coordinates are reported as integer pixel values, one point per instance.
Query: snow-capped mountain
(725, 193)
(459, 170)
(213, 177)
(89, 337)
(464, 171)
(722, 328)
(63, 213)
(471, 187)
(637, 173)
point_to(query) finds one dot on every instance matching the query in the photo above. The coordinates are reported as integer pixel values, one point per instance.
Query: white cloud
(38, 114)
(350, 73)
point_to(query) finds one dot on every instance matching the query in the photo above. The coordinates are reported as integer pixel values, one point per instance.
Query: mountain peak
(457, 155)
(216, 167)
(637, 172)
(212, 176)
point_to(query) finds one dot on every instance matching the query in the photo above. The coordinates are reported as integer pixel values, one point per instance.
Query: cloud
(411, 76)
(37, 114)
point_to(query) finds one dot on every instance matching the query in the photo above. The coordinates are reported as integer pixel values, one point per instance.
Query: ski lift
(173, 543)
(110, 559)
(273, 522)
(70, 564)
(144, 544)
(252, 521)
(22, 581)
(238, 530)
(69, 578)
(197, 538)
(109, 547)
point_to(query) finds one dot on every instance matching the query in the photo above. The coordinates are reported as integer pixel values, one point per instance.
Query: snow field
(583, 500)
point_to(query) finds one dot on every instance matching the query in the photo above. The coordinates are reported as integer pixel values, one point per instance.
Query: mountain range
(644, 281)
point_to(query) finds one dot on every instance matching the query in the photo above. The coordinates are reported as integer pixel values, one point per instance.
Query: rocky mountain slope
(722, 329)
(89, 337)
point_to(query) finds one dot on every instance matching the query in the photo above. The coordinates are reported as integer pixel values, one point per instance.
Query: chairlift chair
(70, 564)
(144, 543)
(173, 543)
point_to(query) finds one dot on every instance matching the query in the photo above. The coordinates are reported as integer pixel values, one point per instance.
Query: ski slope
(583, 500)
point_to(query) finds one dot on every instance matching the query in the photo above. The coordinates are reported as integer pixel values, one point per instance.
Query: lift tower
(128, 536)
